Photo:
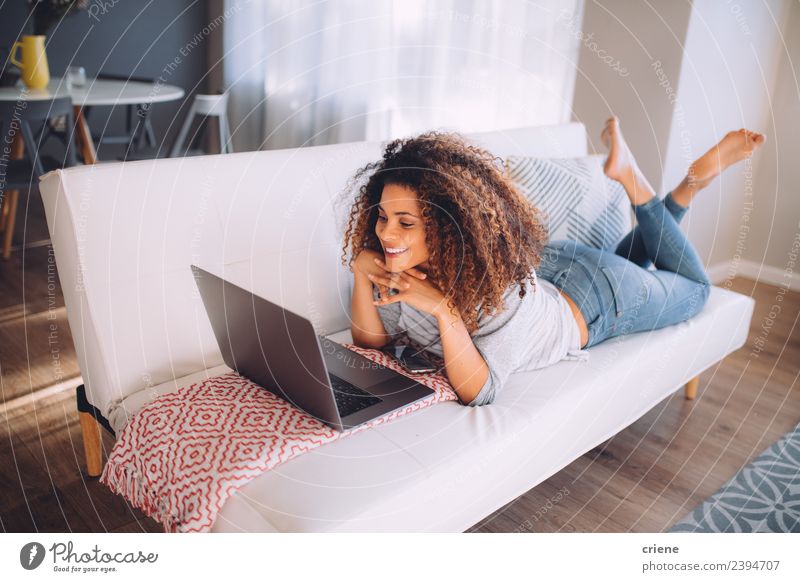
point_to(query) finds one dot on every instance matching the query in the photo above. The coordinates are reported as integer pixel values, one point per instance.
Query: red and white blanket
(185, 453)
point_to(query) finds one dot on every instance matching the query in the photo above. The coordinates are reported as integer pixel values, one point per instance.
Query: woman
(446, 250)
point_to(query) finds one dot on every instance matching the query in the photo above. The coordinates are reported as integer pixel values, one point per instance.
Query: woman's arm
(367, 328)
(466, 368)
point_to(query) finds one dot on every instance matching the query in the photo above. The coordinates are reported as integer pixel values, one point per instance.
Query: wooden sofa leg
(11, 202)
(690, 390)
(92, 421)
(92, 446)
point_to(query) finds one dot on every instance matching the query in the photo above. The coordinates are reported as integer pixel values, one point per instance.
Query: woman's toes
(610, 131)
(753, 139)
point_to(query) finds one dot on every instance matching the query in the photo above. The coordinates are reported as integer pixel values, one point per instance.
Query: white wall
(719, 70)
(728, 72)
(637, 34)
(776, 215)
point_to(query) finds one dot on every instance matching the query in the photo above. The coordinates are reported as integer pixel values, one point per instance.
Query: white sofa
(125, 234)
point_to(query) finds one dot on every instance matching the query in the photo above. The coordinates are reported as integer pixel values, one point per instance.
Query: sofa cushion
(446, 467)
(578, 200)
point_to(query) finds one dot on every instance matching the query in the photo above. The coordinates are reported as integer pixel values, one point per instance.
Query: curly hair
(482, 235)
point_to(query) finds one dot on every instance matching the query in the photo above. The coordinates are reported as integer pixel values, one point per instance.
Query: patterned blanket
(185, 453)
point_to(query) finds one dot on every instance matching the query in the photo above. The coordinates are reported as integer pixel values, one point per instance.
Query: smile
(394, 252)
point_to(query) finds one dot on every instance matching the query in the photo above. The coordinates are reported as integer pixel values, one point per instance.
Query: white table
(95, 92)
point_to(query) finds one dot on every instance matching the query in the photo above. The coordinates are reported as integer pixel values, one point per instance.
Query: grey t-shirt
(533, 332)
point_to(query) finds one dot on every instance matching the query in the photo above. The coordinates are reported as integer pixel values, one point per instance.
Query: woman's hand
(416, 292)
(369, 262)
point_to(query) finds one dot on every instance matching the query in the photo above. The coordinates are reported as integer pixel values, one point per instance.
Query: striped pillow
(578, 200)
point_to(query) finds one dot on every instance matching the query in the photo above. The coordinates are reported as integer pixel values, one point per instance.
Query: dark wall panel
(143, 39)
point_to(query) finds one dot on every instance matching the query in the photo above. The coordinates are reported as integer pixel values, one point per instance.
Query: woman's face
(400, 227)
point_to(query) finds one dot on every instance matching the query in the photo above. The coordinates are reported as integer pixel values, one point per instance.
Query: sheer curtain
(304, 72)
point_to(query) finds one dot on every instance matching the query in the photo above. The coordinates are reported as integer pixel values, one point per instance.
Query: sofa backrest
(124, 235)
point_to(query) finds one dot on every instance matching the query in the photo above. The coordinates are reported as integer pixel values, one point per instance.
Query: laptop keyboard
(349, 398)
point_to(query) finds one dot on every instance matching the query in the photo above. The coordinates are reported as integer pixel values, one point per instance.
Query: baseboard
(719, 272)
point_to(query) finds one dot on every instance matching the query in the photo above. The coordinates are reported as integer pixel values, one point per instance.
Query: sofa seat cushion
(446, 467)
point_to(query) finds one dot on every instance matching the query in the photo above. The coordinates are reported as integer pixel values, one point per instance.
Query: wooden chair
(26, 165)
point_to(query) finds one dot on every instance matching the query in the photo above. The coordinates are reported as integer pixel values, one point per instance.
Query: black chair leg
(151, 136)
(142, 133)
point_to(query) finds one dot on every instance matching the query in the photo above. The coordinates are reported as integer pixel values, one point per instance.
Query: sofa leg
(690, 390)
(90, 429)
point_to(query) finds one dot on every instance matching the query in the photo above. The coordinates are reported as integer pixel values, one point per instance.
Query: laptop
(280, 351)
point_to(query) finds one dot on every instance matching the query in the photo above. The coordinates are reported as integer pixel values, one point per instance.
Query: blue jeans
(616, 292)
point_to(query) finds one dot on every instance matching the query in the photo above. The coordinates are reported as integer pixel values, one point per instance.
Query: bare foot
(621, 165)
(734, 147)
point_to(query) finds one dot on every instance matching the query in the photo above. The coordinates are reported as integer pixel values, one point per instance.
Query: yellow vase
(35, 72)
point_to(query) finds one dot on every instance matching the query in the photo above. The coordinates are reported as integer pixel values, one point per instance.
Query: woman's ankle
(683, 194)
(638, 189)
(676, 208)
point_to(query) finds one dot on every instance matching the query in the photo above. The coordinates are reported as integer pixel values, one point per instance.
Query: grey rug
(763, 497)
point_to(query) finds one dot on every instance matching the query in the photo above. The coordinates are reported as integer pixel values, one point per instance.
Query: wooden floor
(643, 479)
